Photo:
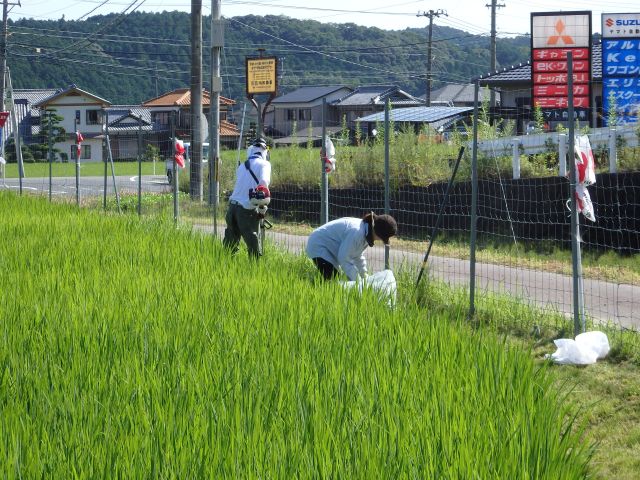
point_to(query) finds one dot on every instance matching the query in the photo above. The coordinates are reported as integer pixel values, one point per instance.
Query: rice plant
(131, 349)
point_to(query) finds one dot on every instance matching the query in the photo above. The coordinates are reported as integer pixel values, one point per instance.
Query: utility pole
(3, 49)
(3, 62)
(195, 153)
(217, 42)
(430, 14)
(494, 5)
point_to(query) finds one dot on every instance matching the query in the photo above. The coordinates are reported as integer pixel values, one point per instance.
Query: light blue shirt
(341, 242)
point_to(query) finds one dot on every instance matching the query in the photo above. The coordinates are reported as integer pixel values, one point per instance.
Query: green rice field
(130, 349)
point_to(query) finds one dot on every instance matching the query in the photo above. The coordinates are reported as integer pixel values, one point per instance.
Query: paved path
(604, 301)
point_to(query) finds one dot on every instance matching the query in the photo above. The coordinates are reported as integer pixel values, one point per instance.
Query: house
(28, 116)
(176, 105)
(289, 116)
(437, 118)
(82, 112)
(126, 126)
(514, 87)
(456, 95)
(369, 99)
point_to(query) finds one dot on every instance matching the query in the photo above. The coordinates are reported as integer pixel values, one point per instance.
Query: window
(291, 114)
(304, 114)
(85, 152)
(94, 117)
(160, 118)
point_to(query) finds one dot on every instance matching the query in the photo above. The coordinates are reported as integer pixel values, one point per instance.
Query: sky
(513, 17)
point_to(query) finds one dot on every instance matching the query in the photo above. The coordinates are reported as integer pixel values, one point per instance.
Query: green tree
(50, 126)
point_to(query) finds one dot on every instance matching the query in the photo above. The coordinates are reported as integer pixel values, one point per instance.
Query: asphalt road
(88, 186)
(603, 301)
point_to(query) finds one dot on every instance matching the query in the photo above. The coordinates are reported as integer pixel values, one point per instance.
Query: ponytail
(370, 220)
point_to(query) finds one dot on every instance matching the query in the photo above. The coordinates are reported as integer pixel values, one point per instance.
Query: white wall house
(83, 112)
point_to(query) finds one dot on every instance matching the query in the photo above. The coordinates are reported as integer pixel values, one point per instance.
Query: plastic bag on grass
(584, 350)
(383, 283)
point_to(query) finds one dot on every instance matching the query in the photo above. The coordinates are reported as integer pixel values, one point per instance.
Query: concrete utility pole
(195, 152)
(494, 5)
(217, 42)
(3, 48)
(430, 14)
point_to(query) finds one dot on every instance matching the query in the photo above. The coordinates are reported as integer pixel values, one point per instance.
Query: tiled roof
(418, 114)
(70, 91)
(378, 95)
(522, 73)
(315, 133)
(308, 94)
(34, 96)
(119, 112)
(455, 92)
(228, 129)
(181, 97)
(124, 118)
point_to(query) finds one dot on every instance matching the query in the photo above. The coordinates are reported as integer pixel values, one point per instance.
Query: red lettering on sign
(561, 102)
(560, 53)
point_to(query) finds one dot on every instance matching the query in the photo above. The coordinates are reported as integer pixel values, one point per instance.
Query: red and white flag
(79, 140)
(179, 153)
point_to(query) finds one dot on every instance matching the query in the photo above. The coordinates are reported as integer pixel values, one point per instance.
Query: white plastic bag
(383, 282)
(584, 350)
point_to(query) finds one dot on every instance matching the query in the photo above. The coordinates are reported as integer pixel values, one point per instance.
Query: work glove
(262, 211)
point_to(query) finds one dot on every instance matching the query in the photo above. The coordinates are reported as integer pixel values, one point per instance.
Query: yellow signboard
(261, 75)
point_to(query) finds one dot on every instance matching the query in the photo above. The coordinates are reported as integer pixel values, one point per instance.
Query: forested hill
(132, 58)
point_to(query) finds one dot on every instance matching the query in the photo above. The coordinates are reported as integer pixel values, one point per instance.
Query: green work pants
(242, 223)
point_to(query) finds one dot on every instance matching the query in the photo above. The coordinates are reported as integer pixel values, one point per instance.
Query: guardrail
(607, 138)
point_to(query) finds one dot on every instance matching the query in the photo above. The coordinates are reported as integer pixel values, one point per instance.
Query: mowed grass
(87, 169)
(129, 349)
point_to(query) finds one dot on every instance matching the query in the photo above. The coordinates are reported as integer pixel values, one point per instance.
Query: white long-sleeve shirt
(245, 182)
(341, 242)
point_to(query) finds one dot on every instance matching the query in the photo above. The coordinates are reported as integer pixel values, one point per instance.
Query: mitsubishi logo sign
(560, 39)
(564, 29)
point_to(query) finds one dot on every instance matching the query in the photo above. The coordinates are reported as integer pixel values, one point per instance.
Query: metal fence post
(172, 152)
(386, 175)
(578, 299)
(139, 167)
(50, 155)
(474, 204)
(324, 197)
(105, 157)
(78, 153)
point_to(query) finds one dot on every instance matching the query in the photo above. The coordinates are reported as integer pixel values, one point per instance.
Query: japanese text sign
(261, 75)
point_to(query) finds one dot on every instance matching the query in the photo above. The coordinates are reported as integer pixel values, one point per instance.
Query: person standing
(249, 199)
(342, 242)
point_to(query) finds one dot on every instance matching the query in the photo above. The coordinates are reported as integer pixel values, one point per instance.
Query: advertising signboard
(621, 67)
(553, 36)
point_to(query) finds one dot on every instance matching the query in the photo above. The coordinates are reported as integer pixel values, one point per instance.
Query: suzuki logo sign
(620, 25)
(561, 30)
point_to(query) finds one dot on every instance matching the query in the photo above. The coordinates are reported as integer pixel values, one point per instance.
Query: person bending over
(342, 242)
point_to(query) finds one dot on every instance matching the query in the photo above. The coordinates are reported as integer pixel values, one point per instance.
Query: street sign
(261, 75)
(3, 118)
